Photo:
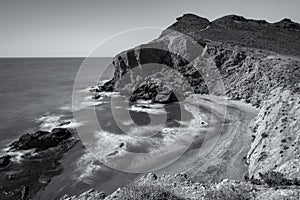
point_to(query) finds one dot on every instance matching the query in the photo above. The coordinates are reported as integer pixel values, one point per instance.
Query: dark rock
(145, 92)
(65, 123)
(106, 87)
(5, 160)
(264, 135)
(97, 96)
(155, 93)
(22, 180)
(60, 134)
(24, 193)
(41, 139)
(122, 144)
(101, 195)
(94, 89)
(166, 98)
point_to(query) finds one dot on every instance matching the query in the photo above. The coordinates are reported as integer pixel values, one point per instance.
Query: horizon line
(56, 57)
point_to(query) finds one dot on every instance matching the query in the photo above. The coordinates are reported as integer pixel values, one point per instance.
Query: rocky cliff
(258, 64)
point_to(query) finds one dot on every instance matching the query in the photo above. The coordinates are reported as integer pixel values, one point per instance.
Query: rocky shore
(30, 162)
(259, 64)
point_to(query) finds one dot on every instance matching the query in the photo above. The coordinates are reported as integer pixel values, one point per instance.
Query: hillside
(257, 62)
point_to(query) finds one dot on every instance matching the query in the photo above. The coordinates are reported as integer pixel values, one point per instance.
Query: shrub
(229, 191)
(272, 178)
(150, 192)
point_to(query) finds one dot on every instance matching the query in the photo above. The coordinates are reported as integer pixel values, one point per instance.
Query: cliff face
(269, 82)
(157, 70)
(251, 56)
(272, 84)
(276, 136)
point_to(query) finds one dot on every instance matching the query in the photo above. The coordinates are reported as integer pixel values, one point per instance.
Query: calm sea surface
(33, 87)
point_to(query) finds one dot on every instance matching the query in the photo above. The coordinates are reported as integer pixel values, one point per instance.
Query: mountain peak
(232, 17)
(191, 17)
(238, 30)
(237, 18)
(189, 23)
(287, 23)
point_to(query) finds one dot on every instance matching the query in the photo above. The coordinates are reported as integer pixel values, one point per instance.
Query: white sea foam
(17, 156)
(109, 142)
(109, 94)
(66, 108)
(109, 146)
(87, 167)
(86, 104)
(86, 90)
(50, 122)
(102, 82)
(144, 101)
(4, 151)
(142, 131)
(127, 123)
(170, 140)
(72, 124)
(154, 109)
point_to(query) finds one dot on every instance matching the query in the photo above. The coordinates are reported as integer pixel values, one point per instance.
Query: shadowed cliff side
(259, 65)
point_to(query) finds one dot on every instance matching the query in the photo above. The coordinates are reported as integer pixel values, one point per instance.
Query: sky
(74, 28)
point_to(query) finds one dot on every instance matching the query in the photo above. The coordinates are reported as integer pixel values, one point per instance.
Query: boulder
(41, 139)
(4, 160)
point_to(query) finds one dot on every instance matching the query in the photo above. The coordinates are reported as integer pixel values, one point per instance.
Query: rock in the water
(5, 160)
(59, 134)
(41, 139)
(28, 172)
(24, 193)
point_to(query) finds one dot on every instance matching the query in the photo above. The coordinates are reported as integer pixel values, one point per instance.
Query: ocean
(35, 87)
(36, 94)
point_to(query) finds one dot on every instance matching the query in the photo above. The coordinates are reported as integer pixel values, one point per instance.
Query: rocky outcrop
(188, 23)
(5, 160)
(32, 161)
(251, 74)
(90, 195)
(158, 70)
(41, 139)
